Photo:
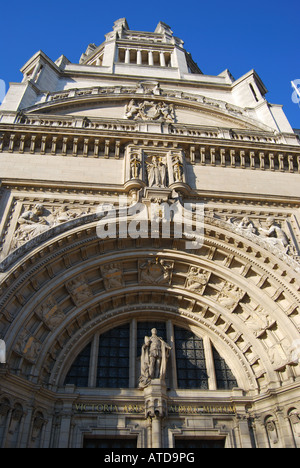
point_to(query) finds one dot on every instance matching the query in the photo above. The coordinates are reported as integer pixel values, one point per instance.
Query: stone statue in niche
(154, 358)
(295, 422)
(177, 169)
(157, 172)
(135, 166)
(272, 431)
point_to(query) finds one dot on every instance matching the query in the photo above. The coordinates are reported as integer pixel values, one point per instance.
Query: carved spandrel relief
(156, 272)
(31, 223)
(34, 220)
(275, 234)
(269, 232)
(79, 290)
(112, 276)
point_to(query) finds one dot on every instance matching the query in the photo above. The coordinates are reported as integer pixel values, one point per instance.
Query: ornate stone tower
(105, 167)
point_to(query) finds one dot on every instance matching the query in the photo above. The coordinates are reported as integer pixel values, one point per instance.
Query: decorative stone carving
(28, 346)
(112, 276)
(278, 357)
(276, 236)
(16, 418)
(79, 290)
(271, 431)
(245, 224)
(295, 422)
(157, 172)
(197, 279)
(230, 296)
(38, 219)
(31, 224)
(50, 313)
(259, 321)
(155, 168)
(37, 427)
(135, 166)
(155, 354)
(177, 168)
(156, 272)
(149, 110)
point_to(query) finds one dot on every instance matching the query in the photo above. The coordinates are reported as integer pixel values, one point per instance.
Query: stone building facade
(119, 327)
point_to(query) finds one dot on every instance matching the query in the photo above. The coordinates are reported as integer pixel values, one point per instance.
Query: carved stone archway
(73, 282)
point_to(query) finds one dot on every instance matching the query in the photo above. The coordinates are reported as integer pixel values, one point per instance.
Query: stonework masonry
(135, 340)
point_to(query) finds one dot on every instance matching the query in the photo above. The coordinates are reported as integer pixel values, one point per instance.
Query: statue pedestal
(156, 408)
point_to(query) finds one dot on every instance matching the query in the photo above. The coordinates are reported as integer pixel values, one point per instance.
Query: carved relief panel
(154, 167)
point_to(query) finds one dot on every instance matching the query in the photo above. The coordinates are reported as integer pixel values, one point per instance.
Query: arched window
(112, 360)
(190, 360)
(79, 372)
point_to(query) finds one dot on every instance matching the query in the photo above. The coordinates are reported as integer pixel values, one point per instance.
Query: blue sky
(232, 34)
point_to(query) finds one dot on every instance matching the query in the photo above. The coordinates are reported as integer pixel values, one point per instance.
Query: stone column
(210, 365)
(156, 409)
(162, 59)
(244, 431)
(127, 56)
(150, 58)
(139, 57)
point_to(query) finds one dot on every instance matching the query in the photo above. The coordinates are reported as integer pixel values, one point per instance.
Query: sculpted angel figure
(154, 358)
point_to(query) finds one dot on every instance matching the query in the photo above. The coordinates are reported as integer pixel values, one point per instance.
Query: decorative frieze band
(203, 153)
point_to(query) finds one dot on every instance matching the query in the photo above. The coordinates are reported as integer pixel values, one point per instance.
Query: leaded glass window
(224, 375)
(113, 358)
(79, 372)
(190, 360)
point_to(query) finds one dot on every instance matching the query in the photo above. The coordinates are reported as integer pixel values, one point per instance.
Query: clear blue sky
(238, 35)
